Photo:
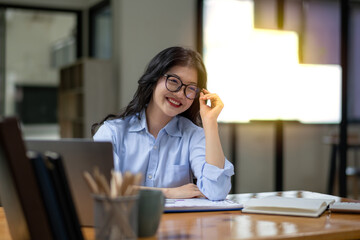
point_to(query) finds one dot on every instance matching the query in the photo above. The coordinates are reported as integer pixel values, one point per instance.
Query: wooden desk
(236, 225)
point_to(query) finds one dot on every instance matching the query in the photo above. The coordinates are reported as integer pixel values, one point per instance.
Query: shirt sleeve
(105, 134)
(213, 182)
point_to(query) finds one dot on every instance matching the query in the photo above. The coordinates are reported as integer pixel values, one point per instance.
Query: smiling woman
(159, 133)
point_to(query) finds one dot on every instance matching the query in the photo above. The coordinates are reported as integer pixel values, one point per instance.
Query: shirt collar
(172, 128)
(136, 124)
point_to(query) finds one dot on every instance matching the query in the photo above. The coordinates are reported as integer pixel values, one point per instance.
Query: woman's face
(173, 103)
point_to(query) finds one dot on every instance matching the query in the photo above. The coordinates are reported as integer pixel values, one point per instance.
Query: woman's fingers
(197, 192)
(205, 91)
(204, 94)
(213, 97)
(210, 96)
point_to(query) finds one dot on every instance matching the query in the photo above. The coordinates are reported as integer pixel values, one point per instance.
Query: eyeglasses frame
(182, 84)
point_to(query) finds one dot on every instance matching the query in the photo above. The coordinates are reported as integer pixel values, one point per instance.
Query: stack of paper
(287, 206)
(200, 204)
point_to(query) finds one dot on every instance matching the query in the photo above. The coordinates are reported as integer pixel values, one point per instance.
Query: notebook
(305, 207)
(79, 155)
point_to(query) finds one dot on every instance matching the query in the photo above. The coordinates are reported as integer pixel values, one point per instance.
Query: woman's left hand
(210, 113)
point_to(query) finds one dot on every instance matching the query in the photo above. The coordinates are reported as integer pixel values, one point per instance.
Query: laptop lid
(79, 155)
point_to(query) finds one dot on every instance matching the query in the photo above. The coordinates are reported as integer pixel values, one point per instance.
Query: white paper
(200, 204)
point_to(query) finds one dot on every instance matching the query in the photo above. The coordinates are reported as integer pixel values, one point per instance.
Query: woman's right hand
(210, 113)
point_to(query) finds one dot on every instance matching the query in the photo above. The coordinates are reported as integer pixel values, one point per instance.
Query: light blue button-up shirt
(170, 160)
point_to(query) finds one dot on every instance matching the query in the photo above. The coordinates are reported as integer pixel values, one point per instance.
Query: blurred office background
(66, 64)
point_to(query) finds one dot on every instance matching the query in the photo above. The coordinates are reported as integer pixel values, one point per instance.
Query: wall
(143, 29)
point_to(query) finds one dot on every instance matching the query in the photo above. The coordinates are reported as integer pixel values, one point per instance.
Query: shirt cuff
(213, 173)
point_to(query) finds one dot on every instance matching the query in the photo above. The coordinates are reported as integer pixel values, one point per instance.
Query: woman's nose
(181, 92)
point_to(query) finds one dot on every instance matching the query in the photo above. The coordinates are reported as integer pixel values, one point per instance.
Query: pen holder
(115, 218)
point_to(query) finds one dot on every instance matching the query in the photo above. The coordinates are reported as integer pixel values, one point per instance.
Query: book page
(200, 204)
(283, 202)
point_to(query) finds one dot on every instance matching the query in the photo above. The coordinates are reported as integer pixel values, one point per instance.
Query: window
(269, 73)
(100, 30)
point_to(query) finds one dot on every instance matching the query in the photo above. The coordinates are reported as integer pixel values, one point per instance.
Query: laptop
(79, 155)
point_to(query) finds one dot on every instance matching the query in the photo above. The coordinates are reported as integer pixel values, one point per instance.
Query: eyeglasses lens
(190, 92)
(174, 84)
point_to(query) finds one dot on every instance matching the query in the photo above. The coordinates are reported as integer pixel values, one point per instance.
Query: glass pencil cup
(115, 218)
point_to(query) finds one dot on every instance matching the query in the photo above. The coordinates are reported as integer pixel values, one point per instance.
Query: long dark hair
(158, 66)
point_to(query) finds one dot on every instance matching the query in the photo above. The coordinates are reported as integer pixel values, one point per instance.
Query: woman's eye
(173, 80)
(193, 88)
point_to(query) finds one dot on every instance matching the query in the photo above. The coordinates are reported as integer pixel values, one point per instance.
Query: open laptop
(79, 155)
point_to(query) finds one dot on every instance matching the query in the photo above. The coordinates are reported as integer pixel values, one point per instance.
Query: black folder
(55, 166)
(47, 189)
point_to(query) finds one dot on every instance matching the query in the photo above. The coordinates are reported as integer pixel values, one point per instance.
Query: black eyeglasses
(174, 84)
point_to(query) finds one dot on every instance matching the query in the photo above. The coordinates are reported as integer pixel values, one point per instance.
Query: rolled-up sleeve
(213, 182)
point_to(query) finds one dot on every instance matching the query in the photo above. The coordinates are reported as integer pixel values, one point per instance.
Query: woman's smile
(173, 102)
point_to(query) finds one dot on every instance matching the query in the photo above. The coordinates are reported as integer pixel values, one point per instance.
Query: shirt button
(155, 147)
(149, 176)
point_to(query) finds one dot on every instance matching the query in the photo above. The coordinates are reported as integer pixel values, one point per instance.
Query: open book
(200, 204)
(287, 206)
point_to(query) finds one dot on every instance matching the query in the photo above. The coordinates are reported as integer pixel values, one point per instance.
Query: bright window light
(257, 73)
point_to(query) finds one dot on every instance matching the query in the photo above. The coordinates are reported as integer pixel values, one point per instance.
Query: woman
(159, 133)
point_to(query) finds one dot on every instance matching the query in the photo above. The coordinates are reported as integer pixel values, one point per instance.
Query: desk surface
(237, 225)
